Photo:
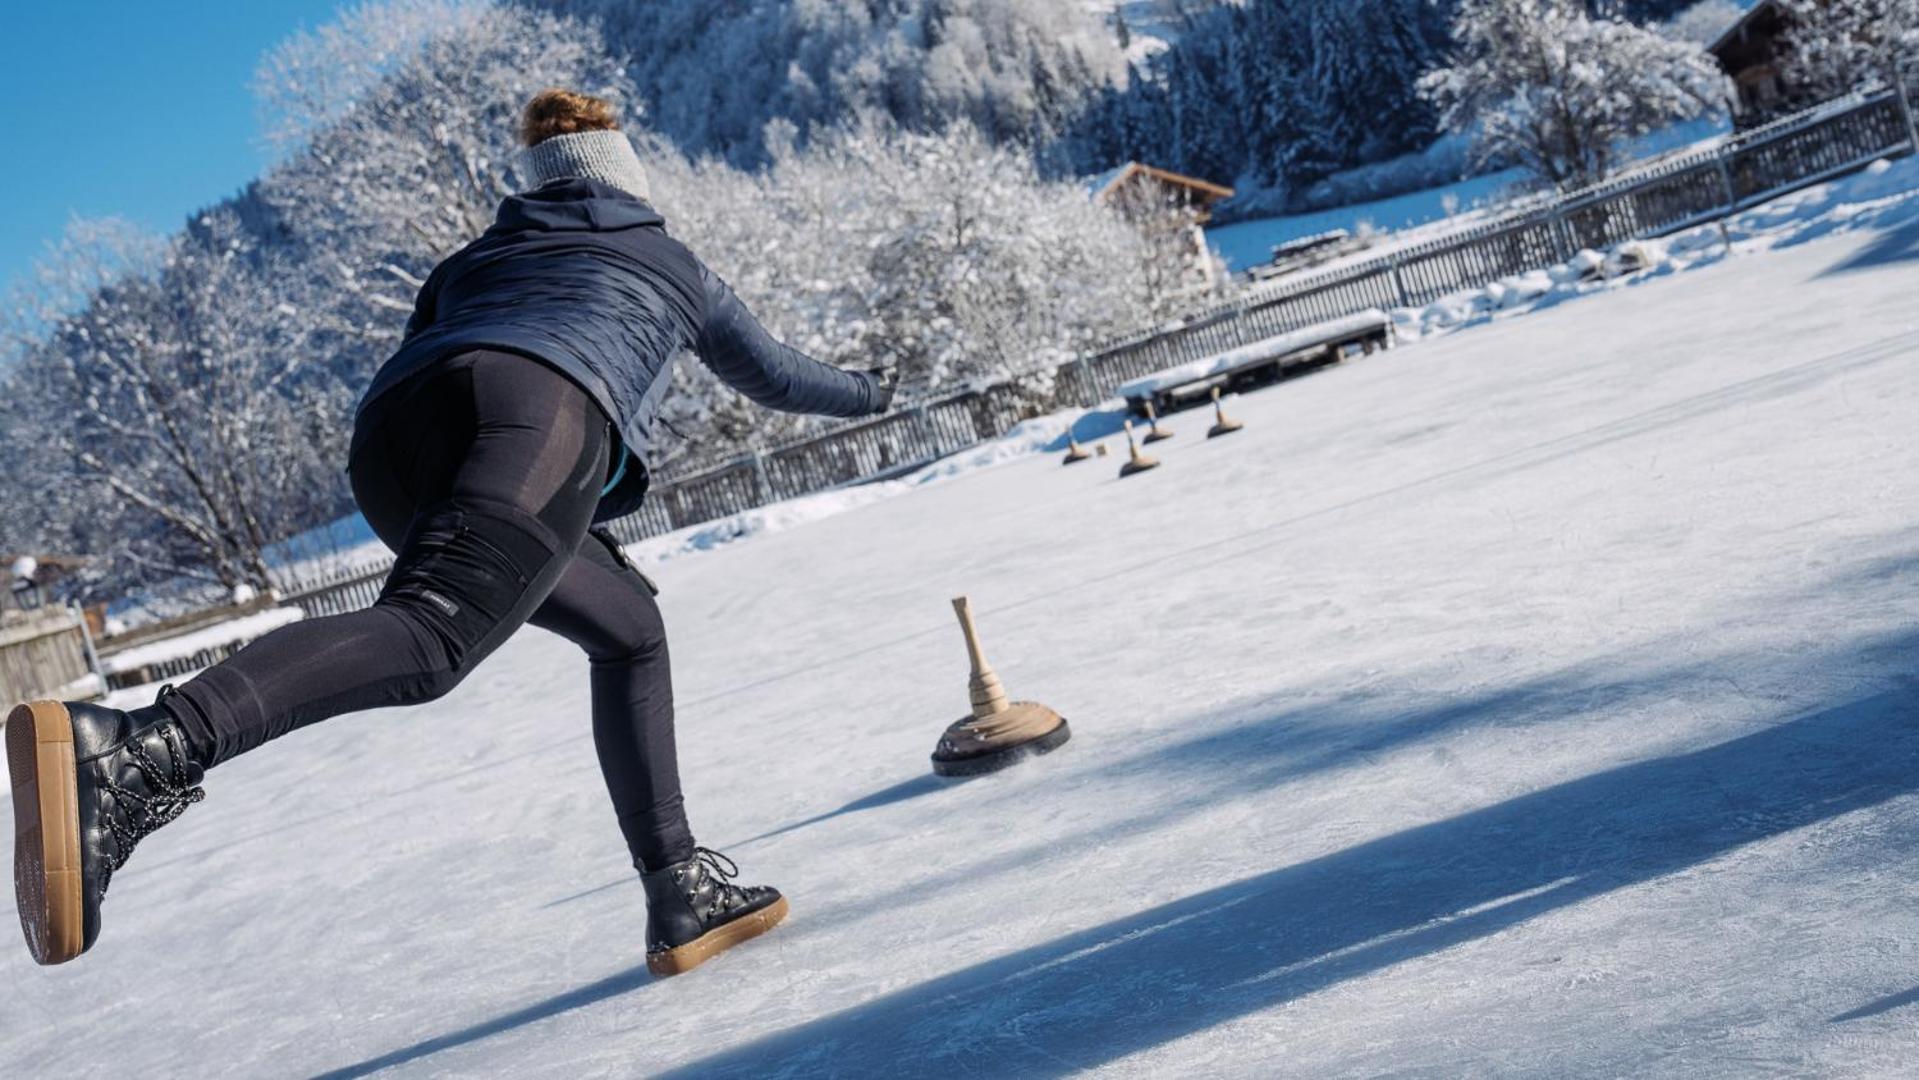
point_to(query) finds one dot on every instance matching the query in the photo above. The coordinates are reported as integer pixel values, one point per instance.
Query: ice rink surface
(1538, 700)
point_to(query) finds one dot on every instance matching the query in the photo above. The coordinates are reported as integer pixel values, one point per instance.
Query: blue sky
(129, 108)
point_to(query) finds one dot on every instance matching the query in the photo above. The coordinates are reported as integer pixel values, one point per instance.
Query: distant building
(1134, 186)
(30, 578)
(1173, 209)
(1750, 52)
(1754, 51)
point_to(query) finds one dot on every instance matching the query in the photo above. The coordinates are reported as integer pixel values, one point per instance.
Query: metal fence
(1673, 194)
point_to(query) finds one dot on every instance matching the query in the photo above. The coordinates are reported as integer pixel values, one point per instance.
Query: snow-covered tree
(946, 254)
(714, 75)
(392, 180)
(1273, 92)
(186, 400)
(313, 77)
(1542, 83)
(1837, 46)
(176, 412)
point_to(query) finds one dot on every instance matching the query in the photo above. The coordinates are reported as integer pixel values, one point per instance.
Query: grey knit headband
(606, 156)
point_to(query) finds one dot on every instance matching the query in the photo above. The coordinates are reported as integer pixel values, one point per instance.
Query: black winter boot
(88, 784)
(694, 912)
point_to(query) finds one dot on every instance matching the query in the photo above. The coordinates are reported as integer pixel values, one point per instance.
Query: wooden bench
(1262, 363)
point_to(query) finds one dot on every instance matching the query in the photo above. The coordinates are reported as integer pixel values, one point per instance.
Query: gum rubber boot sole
(685, 958)
(46, 840)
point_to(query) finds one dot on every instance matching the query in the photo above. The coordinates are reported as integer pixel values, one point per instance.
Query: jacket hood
(577, 205)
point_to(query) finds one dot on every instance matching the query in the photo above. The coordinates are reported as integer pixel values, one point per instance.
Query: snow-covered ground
(245, 628)
(1537, 699)
(1246, 244)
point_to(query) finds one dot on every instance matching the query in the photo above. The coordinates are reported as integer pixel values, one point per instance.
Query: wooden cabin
(1137, 188)
(1750, 52)
(1172, 209)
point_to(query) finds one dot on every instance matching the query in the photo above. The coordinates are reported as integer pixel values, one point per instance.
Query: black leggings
(482, 473)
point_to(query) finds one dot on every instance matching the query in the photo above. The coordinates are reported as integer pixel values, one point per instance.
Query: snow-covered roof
(1738, 24)
(1100, 185)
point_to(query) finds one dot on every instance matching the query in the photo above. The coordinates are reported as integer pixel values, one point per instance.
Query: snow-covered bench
(1265, 361)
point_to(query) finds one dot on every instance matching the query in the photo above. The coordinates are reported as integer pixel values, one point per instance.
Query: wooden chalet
(1137, 187)
(1750, 52)
(1168, 205)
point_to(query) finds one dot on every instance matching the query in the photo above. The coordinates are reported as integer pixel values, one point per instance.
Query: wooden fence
(42, 655)
(1674, 194)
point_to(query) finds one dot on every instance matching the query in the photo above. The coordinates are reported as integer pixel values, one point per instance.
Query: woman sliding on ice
(514, 416)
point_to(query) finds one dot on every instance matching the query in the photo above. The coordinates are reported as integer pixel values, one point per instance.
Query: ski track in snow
(1538, 699)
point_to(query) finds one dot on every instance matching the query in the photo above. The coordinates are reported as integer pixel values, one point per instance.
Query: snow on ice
(1536, 699)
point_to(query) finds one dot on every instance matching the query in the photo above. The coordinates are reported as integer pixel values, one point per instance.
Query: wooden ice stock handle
(983, 689)
(964, 609)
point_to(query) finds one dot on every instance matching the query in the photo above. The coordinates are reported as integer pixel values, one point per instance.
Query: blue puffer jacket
(583, 277)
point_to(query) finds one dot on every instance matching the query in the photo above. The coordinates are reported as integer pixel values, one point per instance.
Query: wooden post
(761, 481)
(1085, 395)
(1725, 178)
(1563, 247)
(929, 439)
(1905, 109)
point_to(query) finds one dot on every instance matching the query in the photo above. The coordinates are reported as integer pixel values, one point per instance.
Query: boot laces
(722, 871)
(167, 797)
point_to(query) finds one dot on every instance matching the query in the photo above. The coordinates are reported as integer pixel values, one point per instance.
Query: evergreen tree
(1275, 91)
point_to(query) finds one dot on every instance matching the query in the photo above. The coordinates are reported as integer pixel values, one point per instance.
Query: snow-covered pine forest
(894, 182)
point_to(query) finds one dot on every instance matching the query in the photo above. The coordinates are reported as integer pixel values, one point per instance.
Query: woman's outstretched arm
(773, 374)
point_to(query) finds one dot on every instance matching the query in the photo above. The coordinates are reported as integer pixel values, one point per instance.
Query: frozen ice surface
(1537, 699)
